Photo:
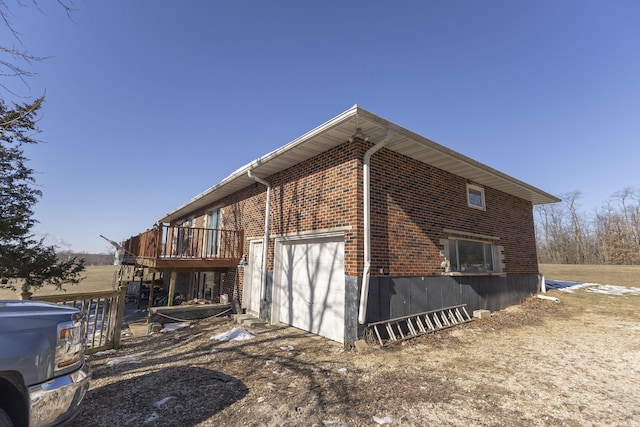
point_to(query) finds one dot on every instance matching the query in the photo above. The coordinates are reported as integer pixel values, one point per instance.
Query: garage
(310, 290)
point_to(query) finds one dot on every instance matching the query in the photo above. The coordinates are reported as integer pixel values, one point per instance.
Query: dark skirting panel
(391, 297)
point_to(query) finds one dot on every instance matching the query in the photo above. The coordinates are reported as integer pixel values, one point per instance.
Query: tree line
(89, 259)
(609, 235)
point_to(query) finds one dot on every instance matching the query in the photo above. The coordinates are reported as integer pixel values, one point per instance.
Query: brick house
(363, 221)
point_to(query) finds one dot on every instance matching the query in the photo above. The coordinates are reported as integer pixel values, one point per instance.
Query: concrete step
(252, 323)
(136, 329)
(248, 320)
(239, 318)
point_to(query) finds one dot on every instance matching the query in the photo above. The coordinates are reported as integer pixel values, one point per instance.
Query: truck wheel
(5, 421)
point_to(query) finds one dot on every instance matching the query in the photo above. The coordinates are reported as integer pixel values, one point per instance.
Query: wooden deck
(170, 248)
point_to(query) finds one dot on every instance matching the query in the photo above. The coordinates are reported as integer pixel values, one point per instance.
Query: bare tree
(16, 62)
(578, 230)
(24, 260)
(602, 230)
(550, 235)
(622, 233)
(565, 234)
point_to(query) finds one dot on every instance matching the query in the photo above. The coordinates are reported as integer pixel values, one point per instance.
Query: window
(475, 197)
(471, 256)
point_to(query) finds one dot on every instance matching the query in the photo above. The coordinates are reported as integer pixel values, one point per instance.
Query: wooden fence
(104, 312)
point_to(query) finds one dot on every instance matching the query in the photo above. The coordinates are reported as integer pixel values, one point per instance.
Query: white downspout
(265, 243)
(548, 297)
(364, 294)
(543, 289)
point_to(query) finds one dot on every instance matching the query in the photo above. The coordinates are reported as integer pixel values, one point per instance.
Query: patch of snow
(570, 287)
(278, 373)
(271, 362)
(161, 402)
(102, 353)
(153, 417)
(385, 420)
(236, 334)
(260, 399)
(342, 370)
(127, 359)
(188, 337)
(287, 348)
(613, 290)
(170, 327)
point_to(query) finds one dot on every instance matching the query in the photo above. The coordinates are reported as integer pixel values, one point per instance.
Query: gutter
(265, 244)
(364, 293)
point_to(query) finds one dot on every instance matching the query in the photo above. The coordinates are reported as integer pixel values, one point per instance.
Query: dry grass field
(622, 275)
(96, 278)
(101, 278)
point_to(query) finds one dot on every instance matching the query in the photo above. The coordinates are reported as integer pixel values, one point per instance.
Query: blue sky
(149, 103)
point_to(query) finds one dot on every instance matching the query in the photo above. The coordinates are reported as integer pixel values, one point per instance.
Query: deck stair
(414, 325)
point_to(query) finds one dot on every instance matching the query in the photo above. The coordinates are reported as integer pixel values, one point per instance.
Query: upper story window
(475, 197)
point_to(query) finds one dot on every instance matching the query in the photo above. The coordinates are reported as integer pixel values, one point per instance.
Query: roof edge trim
(336, 121)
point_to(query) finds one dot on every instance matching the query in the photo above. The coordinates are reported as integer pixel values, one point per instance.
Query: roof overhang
(339, 130)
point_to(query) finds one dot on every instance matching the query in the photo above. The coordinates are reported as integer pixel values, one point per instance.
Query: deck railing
(170, 242)
(104, 312)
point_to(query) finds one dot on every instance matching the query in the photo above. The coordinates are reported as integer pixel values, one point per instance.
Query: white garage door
(312, 286)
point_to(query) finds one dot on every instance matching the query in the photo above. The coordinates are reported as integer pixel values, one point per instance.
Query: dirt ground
(573, 363)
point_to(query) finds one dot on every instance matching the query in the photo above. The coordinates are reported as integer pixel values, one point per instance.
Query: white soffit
(337, 131)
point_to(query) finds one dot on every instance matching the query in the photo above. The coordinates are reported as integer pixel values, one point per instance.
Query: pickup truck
(43, 375)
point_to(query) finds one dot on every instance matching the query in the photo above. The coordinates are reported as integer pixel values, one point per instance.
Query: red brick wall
(411, 203)
(321, 193)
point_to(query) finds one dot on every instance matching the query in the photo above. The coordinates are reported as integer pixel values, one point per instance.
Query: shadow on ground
(182, 395)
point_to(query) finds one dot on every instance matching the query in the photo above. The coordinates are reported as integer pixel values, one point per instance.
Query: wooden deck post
(139, 299)
(172, 288)
(153, 280)
(117, 330)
